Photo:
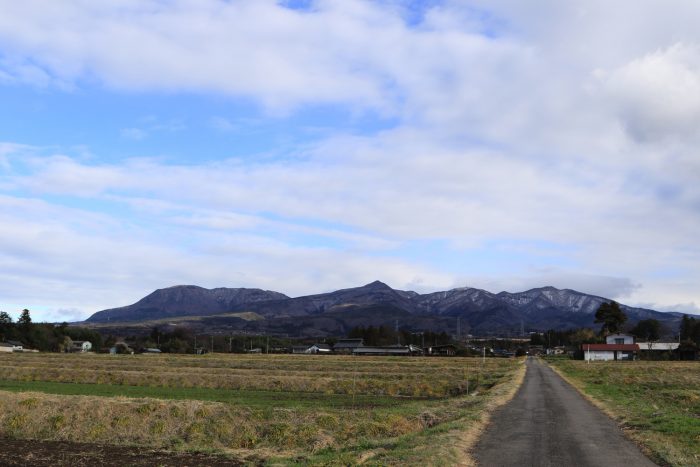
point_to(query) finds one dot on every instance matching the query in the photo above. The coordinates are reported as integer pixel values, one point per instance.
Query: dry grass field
(658, 403)
(278, 408)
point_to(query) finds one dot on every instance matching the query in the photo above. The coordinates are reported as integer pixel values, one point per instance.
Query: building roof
(321, 346)
(378, 350)
(348, 344)
(611, 347)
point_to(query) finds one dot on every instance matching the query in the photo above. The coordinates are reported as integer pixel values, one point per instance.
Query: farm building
(656, 349)
(388, 350)
(346, 346)
(319, 349)
(447, 350)
(558, 350)
(6, 347)
(81, 346)
(312, 349)
(11, 346)
(610, 351)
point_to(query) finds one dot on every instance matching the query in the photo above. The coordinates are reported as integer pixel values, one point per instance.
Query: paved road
(548, 423)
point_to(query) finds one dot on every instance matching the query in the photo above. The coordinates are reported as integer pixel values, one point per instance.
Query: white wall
(599, 355)
(611, 339)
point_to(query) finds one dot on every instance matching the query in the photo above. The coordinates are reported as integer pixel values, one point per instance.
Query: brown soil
(60, 453)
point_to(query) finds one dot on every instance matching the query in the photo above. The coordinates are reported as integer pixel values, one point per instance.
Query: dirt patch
(60, 453)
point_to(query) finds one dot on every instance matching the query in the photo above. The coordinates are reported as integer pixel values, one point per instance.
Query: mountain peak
(376, 285)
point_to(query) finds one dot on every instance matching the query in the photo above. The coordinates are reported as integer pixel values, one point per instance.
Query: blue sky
(305, 146)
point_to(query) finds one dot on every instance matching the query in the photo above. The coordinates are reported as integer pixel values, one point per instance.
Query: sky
(307, 146)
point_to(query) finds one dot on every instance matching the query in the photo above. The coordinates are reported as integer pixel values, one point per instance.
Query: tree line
(45, 337)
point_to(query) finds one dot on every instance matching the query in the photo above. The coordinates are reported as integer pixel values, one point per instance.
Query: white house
(607, 352)
(619, 339)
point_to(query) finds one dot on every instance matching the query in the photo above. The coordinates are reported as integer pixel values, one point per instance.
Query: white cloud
(690, 308)
(209, 227)
(658, 95)
(576, 127)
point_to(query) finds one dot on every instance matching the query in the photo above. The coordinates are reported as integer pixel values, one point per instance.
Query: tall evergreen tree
(5, 325)
(24, 326)
(687, 327)
(649, 329)
(611, 316)
(25, 319)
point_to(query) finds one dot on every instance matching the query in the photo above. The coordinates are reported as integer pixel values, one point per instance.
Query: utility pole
(459, 329)
(230, 344)
(588, 360)
(195, 344)
(398, 337)
(212, 343)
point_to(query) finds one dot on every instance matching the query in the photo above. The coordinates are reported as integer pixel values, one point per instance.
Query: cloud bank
(522, 149)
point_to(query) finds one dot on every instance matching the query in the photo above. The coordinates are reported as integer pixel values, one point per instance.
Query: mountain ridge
(477, 310)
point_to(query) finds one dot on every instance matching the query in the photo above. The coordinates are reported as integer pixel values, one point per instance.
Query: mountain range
(464, 310)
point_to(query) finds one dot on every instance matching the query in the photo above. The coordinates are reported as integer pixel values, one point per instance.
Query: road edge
(632, 435)
(502, 394)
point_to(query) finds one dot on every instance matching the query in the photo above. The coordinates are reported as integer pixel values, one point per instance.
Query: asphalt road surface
(548, 423)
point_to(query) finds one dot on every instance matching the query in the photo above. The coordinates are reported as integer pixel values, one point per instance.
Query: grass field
(279, 408)
(657, 402)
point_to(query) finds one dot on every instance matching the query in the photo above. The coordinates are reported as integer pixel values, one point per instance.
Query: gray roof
(348, 344)
(382, 350)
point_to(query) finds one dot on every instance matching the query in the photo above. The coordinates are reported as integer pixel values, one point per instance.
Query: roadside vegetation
(278, 408)
(657, 403)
